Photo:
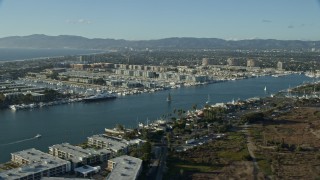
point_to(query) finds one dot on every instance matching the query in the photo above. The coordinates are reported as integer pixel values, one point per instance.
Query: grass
(196, 168)
(209, 157)
(265, 166)
(256, 133)
(176, 166)
(234, 156)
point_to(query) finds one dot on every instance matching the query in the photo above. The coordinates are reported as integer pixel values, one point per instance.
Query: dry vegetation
(220, 159)
(288, 146)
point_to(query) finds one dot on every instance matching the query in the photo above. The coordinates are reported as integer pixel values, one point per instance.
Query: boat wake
(20, 141)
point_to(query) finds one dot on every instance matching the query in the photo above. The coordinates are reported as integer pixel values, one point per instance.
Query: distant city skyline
(151, 19)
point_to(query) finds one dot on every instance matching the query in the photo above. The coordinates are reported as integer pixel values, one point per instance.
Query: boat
(99, 97)
(13, 107)
(265, 88)
(207, 102)
(169, 98)
(38, 136)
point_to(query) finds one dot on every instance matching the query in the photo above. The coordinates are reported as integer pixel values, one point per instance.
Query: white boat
(208, 100)
(233, 101)
(99, 97)
(13, 107)
(169, 98)
(265, 88)
(38, 136)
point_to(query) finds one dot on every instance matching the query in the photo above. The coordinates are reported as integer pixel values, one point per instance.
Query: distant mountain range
(78, 42)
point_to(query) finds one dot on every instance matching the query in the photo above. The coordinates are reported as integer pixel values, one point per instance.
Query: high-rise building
(251, 63)
(205, 61)
(280, 65)
(231, 62)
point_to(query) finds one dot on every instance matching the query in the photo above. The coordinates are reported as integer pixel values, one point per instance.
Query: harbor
(75, 121)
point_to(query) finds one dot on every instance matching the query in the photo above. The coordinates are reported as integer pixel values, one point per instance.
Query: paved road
(162, 163)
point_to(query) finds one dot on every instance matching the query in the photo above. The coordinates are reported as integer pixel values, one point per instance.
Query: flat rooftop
(77, 152)
(114, 144)
(126, 168)
(32, 169)
(34, 155)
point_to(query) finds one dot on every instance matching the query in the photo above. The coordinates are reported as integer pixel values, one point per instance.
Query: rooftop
(112, 143)
(39, 162)
(34, 155)
(77, 152)
(126, 167)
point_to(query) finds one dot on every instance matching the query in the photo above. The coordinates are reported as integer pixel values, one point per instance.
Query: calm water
(7, 54)
(74, 122)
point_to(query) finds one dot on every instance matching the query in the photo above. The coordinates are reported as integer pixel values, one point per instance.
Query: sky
(156, 19)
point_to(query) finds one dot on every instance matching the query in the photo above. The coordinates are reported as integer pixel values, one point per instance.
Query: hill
(78, 42)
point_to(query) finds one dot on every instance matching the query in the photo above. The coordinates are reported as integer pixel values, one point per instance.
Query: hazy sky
(154, 19)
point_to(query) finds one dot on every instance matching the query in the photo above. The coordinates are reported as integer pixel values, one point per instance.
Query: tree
(2, 98)
(99, 81)
(119, 127)
(252, 117)
(146, 151)
(51, 95)
(54, 75)
(194, 107)
(27, 99)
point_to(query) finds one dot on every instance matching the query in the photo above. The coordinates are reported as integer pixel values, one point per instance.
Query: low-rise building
(37, 97)
(35, 165)
(77, 155)
(114, 83)
(113, 144)
(132, 84)
(124, 167)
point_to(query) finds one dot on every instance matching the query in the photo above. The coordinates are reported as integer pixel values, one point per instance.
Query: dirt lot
(288, 146)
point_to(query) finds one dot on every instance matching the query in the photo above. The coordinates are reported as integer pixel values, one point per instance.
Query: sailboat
(208, 99)
(169, 98)
(265, 88)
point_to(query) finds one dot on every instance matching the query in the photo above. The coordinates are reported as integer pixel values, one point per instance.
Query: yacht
(99, 97)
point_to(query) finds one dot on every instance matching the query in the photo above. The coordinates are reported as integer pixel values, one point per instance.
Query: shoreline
(49, 57)
(115, 117)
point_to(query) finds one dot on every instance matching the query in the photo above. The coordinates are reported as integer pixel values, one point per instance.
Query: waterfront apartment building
(124, 168)
(30, 156)
(77, 155)
(35, 165)
(37, 170)
(113, 144)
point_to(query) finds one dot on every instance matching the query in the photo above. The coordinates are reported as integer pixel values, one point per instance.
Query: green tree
(2, 98)
(146, 151)
(54, 75)
(27, 99)
(99, 81)
(119, 127)
(194, 107)
(252, 117)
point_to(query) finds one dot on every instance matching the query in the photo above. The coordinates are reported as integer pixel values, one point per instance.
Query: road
(162, 163)
(251, 148)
